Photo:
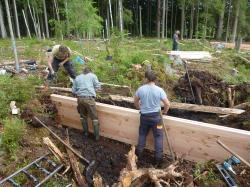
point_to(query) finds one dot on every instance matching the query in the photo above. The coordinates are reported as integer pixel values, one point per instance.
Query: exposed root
(131, 176)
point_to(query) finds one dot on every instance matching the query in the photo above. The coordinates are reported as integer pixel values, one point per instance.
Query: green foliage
(16, 89)
(13, 131)
(208, 179)
(127, 17)
(82, 17)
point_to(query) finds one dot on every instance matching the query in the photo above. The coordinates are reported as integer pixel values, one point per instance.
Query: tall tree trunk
(220, 22)
(120, 15)
(158, 18)
(110, 13)
(33, 20)
(2, 25)
(228, 19)
(182, 18)
(206, 19)
(148, 17)
(16, 19)
(140, 22)
(12, 35)
(163, 19)
(197, 20)
(46, 18)
(166, 22)
(191, 21)
(236, 19)
(26, 24)
(172, 17)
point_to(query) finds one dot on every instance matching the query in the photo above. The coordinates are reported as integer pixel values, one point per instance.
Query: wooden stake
(233, 153)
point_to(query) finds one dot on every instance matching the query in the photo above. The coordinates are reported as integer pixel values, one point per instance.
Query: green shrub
(16, 89)
(13, 131)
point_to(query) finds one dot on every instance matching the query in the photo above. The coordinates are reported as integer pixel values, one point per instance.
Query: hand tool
(167, 138)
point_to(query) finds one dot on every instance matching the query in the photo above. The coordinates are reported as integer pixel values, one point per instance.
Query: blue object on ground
(78, 60)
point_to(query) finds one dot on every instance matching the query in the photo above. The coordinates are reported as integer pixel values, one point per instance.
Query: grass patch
(14, 129)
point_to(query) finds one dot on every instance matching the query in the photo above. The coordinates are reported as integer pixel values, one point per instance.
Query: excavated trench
(110, 155)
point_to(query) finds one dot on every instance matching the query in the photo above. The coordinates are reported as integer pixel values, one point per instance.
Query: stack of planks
(196, 141)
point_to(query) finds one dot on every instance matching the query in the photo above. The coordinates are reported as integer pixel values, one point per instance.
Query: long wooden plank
(174, 105)
(195, 140)
(189, 107)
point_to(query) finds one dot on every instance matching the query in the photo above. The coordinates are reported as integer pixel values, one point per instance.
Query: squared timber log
(195, 140)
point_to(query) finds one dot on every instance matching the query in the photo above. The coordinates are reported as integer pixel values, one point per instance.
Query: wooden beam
(186, 106)
(174, 105)
(191, 139)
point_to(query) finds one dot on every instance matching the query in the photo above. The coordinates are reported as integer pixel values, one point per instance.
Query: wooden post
(12, 35)
(27, 27)
(107, 28)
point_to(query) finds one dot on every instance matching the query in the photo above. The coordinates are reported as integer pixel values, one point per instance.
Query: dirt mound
(208, 89)
(241, 121)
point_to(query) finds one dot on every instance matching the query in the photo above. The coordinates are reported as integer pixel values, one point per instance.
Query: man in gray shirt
(148, 99)
(84, 87)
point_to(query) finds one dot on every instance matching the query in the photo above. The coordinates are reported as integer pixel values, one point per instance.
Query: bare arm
(137, 102)
(50, 60)
(166, 105)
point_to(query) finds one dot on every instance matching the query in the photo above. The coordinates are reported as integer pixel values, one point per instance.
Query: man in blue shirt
(148, 99)
(84, 87)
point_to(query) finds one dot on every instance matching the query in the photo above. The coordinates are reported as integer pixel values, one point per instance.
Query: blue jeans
(67, 66)
(151, 121)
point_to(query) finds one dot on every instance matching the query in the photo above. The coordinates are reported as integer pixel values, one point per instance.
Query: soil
(208, 90)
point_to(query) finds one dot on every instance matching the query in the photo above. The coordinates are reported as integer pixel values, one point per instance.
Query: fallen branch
(52, 147)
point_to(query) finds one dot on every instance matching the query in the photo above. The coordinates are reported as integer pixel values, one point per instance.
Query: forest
(199, 53)
(225, 20)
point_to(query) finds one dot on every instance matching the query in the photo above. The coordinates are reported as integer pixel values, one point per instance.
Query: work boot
(96, 129)
(85, 126)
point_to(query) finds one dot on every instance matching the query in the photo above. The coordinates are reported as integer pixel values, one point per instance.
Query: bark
(172, 17)
(236, 19)
(140, 22)
(228, 20)
(120, 15)
(158, 20)
(197, 20)
(26, 24)
(2, 25)
(46, 18)
(163, 19)
(33, 20)
(220, 23)
(16, 19)
(111, 16)
(182, 18)
(191, 21)
(206, 19)
(166, 23)
(12, 35)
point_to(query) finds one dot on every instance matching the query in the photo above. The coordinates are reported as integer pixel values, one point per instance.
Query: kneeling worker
(148, 99)
(60, 57)
(84, 87)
